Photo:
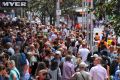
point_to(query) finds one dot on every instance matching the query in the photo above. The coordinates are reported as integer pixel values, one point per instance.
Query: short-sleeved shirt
(98, 72)
(109, 42)
(16, 58)
(15, 72)
(84, 53)
(68, 70)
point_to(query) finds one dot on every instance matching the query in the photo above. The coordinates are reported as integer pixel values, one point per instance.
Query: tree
(112, 9)
(48, 7)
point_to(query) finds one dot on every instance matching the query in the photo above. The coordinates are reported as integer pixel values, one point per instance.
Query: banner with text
(13, 3)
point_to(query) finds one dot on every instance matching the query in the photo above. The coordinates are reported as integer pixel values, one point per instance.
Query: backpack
(23, 59)
(102, 46)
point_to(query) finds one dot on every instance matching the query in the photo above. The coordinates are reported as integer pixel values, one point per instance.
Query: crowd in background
(45, 52)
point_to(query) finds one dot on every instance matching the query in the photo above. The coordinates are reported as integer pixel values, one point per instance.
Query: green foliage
(112, 9)
(67, 6)
(44, 6)
(48, 6)
(116, 24)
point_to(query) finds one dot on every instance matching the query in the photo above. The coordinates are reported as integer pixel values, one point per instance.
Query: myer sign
(13, 3)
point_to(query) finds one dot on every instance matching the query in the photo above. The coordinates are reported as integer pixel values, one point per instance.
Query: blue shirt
(117, 75)
(1, 78)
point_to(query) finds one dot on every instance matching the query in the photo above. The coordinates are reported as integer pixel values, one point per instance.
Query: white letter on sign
(5, 4)
(23, 4)
(11, 3)
(17, 3)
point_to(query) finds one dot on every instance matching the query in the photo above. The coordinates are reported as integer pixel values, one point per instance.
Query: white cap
(72, 39)
(58, 52)
(95, 55)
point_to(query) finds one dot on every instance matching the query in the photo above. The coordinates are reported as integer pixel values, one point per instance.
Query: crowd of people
(32, 51)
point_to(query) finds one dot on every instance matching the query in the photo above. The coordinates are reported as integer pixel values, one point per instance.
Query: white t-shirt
(84, 53)
(27, 74)
(53, 36)
(118, 40)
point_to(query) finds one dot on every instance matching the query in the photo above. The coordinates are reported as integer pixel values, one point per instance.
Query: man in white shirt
(10, 50)
(84, 52)
(53, 36)
(98, 72)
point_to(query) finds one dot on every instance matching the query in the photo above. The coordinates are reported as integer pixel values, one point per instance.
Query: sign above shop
(13, 3)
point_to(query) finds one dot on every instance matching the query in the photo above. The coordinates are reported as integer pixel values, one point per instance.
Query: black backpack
(102, 46)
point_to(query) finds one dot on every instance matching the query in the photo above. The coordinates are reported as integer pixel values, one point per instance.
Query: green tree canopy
(112, 9)
(48, 7)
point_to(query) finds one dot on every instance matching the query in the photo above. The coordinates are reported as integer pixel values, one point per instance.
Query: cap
(58, 52)
(72, 39)
(95, 55)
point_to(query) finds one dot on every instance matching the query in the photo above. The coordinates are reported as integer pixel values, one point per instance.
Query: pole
(87, 23)
(91, 30)
(57, 15)
(85, 14)
(82, 15)
(21, 9)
